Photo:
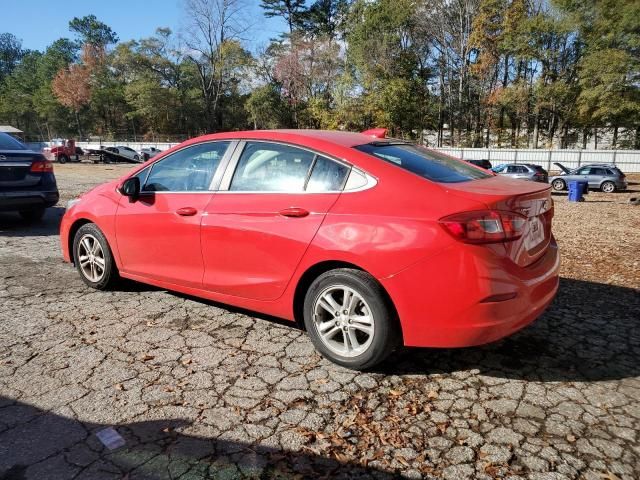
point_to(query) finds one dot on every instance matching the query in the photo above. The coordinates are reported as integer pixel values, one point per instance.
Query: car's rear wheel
(63, 159)
(136, 158)
(93, 257)
(349, 319)
(32, 215)
(608, 187)
(558, 185)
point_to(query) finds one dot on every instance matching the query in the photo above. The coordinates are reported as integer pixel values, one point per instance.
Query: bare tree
(212, 25)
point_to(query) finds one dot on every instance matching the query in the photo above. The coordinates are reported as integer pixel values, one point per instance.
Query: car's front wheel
(349, 319)
(608, 187)
(558, 185)
(93, 258)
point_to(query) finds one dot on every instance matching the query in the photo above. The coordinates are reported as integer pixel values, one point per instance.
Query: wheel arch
(313, 272)
(75, 226)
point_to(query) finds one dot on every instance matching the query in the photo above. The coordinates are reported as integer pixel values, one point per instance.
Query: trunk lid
(15, 169)
(531, 199)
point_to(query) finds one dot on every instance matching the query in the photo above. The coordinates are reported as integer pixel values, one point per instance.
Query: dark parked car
(523, 171)
(27, 183)
(486, 164)
(607, 178)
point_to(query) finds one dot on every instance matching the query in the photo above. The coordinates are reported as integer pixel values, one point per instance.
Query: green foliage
(92, 31)
(10, 54)
(523, 72)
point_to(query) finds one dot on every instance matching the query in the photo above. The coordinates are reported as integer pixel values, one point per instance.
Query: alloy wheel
(91, 258)
(608, 187)
(343, 320)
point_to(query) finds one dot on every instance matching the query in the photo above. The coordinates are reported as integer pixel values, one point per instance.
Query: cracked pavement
(200, 390)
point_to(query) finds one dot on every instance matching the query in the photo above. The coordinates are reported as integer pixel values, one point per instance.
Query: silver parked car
(607, 178)
(149, 152)
(127, 152)
(524, 171)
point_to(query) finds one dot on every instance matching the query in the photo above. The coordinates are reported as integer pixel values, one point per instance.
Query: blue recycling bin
(575, 191)
(585, 187)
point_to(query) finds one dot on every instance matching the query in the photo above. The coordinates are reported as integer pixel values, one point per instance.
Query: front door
(258, 226)
(158, 235)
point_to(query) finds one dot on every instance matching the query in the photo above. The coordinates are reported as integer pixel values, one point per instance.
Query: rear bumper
(25, 200)
(470, 296)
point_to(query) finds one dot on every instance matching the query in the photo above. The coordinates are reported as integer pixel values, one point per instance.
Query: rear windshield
(427, 163)
(7, 142)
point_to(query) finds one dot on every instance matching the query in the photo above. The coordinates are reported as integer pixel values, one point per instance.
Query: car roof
(344, 139)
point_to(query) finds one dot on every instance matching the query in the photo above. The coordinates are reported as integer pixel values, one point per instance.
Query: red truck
(62, 150)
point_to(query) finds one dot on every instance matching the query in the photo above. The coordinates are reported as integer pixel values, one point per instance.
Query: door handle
(186, 211)
(295, 212)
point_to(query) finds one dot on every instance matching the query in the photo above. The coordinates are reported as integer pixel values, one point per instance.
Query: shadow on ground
(589, 333)
(45, 445)
(12, 225)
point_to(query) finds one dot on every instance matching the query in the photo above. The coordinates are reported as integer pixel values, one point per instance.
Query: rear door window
(271, 167)
(426, 163)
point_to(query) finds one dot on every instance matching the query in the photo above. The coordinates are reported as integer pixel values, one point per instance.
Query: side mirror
(131, 188)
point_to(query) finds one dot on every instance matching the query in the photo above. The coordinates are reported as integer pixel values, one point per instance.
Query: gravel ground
(198, 390)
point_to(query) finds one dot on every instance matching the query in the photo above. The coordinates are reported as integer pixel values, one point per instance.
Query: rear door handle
(295, 212)
(186, 211)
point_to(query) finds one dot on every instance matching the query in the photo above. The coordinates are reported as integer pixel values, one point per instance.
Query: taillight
(484, 226)
(42, 166)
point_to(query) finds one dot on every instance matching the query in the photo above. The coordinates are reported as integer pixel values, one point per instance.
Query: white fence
(627, 160)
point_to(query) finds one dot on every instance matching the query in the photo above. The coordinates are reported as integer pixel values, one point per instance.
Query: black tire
(608, 187)
(63, 159)
(136, 158)
(32, 215)
(558, 185)
(110, 272)
(386, 329)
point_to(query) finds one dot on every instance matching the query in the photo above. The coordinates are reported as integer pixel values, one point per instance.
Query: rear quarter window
(7, 142)
(426, 163)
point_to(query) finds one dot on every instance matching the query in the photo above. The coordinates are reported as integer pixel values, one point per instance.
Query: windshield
(427, 163)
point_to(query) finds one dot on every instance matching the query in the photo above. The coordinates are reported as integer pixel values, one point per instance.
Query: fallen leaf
(571, 438)
(395, 393)
(119, 386)
(146, 357)
(187, 361)
(432, 394)
(609, 476)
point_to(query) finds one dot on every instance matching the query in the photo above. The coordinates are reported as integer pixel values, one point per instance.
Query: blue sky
(39, 22)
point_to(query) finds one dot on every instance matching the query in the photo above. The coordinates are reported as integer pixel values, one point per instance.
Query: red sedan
(368, 242)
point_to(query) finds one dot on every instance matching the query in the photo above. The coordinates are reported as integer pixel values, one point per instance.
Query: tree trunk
(615, 137)
(79, 128)
(595, 138)
(536, 129)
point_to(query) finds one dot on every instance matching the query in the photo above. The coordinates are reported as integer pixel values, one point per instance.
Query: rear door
(597, 176)
(271, 203)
